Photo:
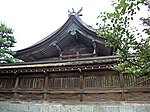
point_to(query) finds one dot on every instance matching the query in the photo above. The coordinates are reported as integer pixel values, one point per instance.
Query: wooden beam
(121, 78)
(59, 49)
(77, 46)
(45, 86)
(81, 86)
(16, 86)
(95, 47)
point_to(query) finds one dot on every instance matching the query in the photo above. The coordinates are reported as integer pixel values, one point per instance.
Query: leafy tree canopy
(128, 42)
(7, 41)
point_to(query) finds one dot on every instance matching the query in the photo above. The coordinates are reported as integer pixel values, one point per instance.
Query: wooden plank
(105, 90)
(81, 86)
(16, 87)
(45, 86)
(81, 83)
(137, 89)
(123, 97)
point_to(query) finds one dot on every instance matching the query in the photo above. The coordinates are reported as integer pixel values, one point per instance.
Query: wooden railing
(75, 86)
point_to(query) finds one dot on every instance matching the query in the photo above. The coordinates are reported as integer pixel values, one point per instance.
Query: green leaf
(122, 37)
(6, 42)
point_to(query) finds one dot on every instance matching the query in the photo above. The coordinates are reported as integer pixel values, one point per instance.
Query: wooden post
(94, 46)
(16, 86)
(45, 86)
(81, 87)
(59, 49)
(122, 86)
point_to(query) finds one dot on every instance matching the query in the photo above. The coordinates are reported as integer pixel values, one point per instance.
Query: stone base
(18, 106)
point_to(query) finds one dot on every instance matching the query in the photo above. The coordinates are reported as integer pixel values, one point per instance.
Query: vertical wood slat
(16, 87)
(16, 82)
(45, 86)
(81, 87)
(122, 86)
(81, 81)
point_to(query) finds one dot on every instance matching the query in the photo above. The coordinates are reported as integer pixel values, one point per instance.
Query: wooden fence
(101, 85)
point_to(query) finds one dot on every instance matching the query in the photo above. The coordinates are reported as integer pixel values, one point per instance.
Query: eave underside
(53, 45)
(54, 48)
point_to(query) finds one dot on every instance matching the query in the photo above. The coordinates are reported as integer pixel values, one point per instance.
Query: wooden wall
(98, 85)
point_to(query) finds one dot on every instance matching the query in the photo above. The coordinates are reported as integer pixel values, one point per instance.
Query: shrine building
(70, 64)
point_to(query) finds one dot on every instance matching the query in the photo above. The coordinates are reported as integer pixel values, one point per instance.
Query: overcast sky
(33, 20)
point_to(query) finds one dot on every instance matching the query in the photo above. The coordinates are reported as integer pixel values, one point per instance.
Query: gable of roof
(52, 45)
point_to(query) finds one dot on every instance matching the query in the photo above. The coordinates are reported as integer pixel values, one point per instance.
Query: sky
(33, 20)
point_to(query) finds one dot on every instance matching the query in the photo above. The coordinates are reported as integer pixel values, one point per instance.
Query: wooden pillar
(122, 86)
(94, 46)
(45, 86)
(81, 86)
(59, 49)
(16, 86)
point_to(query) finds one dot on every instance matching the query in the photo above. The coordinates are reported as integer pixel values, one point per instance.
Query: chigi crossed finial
(75, 13)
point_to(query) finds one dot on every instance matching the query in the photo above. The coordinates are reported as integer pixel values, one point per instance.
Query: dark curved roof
(64, 36)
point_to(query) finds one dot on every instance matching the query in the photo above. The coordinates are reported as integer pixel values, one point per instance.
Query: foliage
(7, 41)
(128, 42)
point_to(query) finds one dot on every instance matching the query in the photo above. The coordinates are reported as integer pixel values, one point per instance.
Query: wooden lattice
(77, 86)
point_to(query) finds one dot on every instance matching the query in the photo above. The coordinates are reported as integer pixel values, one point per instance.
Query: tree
(7, 41)
(133, 48)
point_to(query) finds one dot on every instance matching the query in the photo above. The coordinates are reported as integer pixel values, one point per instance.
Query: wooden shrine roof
(12, 67)
(74, 30)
